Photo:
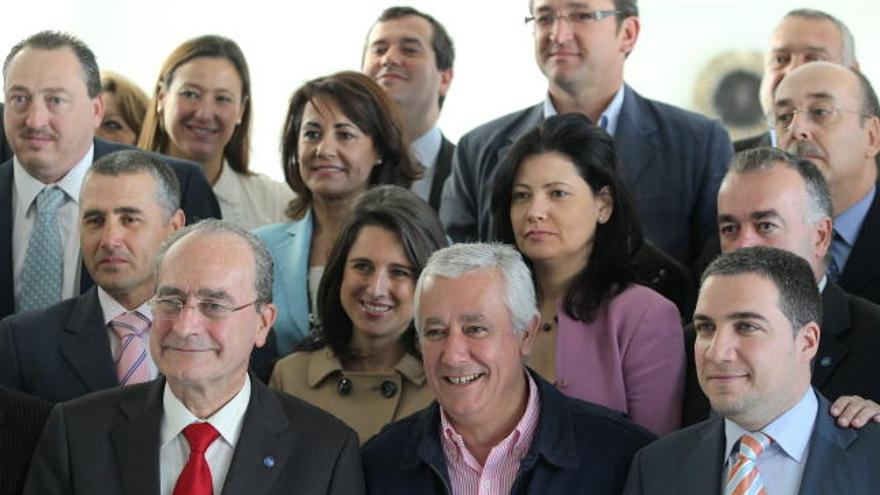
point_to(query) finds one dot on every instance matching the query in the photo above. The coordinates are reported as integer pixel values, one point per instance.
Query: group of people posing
(517, 313)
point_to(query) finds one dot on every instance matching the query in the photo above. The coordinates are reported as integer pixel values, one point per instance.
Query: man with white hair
(496, 426)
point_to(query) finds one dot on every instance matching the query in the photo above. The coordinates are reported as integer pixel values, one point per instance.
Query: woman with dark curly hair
(604, 338)
(363, 364)
(342, 135)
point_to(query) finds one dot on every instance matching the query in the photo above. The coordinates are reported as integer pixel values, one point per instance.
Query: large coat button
(344, 387)
(388, 389)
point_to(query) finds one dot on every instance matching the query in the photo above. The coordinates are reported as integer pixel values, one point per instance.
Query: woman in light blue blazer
(341, 136)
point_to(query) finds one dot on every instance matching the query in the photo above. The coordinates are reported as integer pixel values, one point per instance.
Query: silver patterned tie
(43, 269)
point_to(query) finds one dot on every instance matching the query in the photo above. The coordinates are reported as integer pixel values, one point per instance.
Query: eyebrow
(569, 5)
(218, 294)
(738, 315)
(337, 125)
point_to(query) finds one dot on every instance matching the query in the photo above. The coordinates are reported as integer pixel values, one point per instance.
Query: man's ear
(528, 337)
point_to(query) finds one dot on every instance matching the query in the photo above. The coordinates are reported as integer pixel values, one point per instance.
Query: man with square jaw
(206, 426)
(829, 114)
(802, 36)
(757, 333)
(672, 160)
(496, 426)
(53, 104)
(410, 54)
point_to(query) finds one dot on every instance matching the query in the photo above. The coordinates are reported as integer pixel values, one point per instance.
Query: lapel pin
(268, 461)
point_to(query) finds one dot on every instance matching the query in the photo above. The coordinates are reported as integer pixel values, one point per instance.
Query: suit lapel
(830, 467)
(85, 344)
(635, 138)
(261, 452)
(136, 440)
(531, 119)
(700, 467)
(441, 171)
(835, 320)
(862, 267)
(7, 291)
(296, 246)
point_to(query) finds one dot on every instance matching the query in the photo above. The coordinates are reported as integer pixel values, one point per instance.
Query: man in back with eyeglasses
(673, 160)
(206, 426)
(829, 114)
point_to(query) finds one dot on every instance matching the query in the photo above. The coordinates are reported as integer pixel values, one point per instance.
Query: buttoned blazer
(108, 443)
(60, 352)
(290, 244)
(672, 160)
(861, 275)
(846, 362)
(196, 198)
(21, 420)
(690, 461)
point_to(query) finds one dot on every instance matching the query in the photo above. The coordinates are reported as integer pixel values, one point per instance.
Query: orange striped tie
(743, 477)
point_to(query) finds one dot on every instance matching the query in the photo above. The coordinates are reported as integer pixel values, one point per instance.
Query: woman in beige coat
(363, 363)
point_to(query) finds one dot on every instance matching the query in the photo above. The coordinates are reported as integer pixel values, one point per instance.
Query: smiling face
(576, 56)
(335, 156)
(201, 108)
(553, 211)
(750, 363)
(769, 208)
(121, 228)
(50, 119)
(473, 359)
(197, 353)
(399, 57)
(377, 286)
(114, 127)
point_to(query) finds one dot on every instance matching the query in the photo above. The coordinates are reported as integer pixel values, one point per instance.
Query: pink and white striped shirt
(467, 477)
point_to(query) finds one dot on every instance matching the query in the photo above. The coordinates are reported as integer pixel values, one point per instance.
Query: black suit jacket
(5, 150)
(689, 461)
(197, 201)
(58, 353)
(441, 171)
(21, 420)
(107, 443)
(861, 275)
(759, 141)
(846, 363)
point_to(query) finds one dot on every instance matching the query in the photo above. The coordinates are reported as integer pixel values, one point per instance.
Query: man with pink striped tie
(129, 204)
(757, 334)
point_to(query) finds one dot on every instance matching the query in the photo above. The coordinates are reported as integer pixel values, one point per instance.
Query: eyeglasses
(169, 308)
(821, 115)
(544, 22)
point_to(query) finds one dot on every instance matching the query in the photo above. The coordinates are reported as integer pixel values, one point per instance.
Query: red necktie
(195, 479)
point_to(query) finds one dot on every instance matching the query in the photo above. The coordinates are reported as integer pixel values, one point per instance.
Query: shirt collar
(521, 436)
(111, 308)
(27, 187)
(227, 187)
(227, 421)
(848, 223)
(607, 120)
(791, 431)
(823, 283)
(427, 146)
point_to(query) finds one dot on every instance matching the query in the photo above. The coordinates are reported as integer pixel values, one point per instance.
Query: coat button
(344, 387)
(825, 362)
(388, 389)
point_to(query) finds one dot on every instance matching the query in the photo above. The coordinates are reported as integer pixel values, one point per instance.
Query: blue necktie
(838, 246)
(43, 269)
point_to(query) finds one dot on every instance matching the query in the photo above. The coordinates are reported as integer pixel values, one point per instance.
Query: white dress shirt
(425, 149)
(24, 194)
(174, 448)
(112, 309)
(250, 201)
(782, 463)
(608, 118)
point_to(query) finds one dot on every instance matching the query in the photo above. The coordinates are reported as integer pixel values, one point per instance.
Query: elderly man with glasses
(206, 426)
(673, 160)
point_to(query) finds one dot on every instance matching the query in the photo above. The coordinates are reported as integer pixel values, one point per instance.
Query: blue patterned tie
(43, 269)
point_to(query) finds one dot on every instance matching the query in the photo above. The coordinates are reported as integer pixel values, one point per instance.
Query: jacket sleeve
(348, 474)
(459, 210)
(718, 156)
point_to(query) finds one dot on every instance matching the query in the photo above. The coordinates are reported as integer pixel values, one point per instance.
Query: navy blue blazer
(672, 160)
(690, 461)
(196, 199)
(290, 244)
(107, 443)
(578, 447)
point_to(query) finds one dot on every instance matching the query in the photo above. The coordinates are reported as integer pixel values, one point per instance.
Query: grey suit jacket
(690, 461)
(672, 160)
(58, 353)
(107, 443)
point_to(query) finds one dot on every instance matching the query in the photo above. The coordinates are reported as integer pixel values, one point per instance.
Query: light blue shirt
(847, 225)
(425, 149)
(782, 464)
(608, 118)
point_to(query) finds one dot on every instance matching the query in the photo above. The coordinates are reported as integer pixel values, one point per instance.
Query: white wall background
(289, 42)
